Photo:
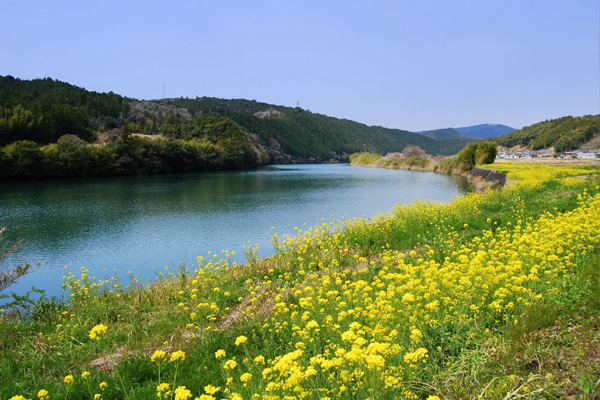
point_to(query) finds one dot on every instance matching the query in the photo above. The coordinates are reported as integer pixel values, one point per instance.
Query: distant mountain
(564, 133)
(447, 134)
(486, 131)
(476, 132)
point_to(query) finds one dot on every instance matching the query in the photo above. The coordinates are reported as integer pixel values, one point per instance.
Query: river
(135, 224)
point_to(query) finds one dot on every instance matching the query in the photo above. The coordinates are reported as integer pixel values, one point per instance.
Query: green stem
(119, 375)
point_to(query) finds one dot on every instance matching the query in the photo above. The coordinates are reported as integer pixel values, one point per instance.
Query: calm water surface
(137, 223)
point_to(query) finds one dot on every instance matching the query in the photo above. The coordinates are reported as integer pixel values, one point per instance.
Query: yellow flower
(245, 377)
(163, 387)
(230, 364)
(240, 340)
(181, 393)
(416, 335)
(259, 360)
(98, 331)
(42, 394)
(416, 355)
(433, 398)
(18, 397)
(178, 355)
(85, 374)
(97, 396)
(210, 389)
(205, 397)
(68, 379)
(103, 385)
(220, 354)
(158, 355)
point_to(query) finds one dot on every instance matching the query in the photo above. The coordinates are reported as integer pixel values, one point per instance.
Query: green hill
(564, 133)
(448, 134)
(305, 134)
(50, 128)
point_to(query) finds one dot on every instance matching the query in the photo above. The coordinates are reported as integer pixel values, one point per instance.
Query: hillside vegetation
(486, 131)
(414, 158)
(306, 134)
(448, 134)
(566, 133)
(204, 133)
(492, 296)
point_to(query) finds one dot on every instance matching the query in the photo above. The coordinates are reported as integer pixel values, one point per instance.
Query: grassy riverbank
(414, 163)
(493, 295)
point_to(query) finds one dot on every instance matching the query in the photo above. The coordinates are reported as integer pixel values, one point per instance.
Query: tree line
(223, 147)
(566, 133)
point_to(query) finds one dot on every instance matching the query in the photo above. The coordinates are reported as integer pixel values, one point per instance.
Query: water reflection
(136, 223)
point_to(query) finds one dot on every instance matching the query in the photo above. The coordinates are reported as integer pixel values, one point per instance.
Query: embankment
(479, 179)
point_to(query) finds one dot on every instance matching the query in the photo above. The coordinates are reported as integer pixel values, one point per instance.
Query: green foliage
(42, 110)
(25, 158)
(485, 153)
(128, 155)
(476, 154)
(366, 159)
(563, 134)
(415, 161)
(305, 134)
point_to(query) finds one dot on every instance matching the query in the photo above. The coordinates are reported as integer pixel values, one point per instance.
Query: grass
(490, 296)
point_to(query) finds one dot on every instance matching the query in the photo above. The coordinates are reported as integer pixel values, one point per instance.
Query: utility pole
(163, 90)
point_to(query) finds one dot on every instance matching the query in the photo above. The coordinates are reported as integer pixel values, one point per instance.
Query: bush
(476, 154)
(366, 159)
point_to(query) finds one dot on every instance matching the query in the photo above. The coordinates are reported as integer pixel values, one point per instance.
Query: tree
(26, 158)
(486, 152)
(9, 274)
(73, 155)
(476, 154)
(412, 150)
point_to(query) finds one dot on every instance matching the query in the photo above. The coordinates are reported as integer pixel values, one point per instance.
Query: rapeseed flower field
(428, 301)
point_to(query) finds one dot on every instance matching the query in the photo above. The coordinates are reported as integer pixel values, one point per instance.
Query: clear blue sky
(420, 64)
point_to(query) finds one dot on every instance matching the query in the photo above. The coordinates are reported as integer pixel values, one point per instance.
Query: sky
(414, 65)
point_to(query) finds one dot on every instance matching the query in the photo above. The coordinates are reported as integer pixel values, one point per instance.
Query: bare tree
(412, 150)
(10, 273)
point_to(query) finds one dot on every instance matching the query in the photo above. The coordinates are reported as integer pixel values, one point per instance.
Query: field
(494, 296)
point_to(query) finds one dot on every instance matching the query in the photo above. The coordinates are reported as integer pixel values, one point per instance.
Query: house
(586, 156)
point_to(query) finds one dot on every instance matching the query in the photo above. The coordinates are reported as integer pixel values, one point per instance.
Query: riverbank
(413, 303)
(479, 180)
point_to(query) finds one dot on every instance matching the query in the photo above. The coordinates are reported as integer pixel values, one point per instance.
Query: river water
(133, 224)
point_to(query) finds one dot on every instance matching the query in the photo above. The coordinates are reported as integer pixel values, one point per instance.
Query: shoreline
(479, 179)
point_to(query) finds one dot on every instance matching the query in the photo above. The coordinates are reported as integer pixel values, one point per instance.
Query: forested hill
(564, 133)
(42, 110)
(304, 134)
(50, 128)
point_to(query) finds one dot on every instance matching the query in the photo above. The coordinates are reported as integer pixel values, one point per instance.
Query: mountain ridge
(474, 132)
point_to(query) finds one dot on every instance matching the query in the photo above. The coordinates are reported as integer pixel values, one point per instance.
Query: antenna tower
(163, 90)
